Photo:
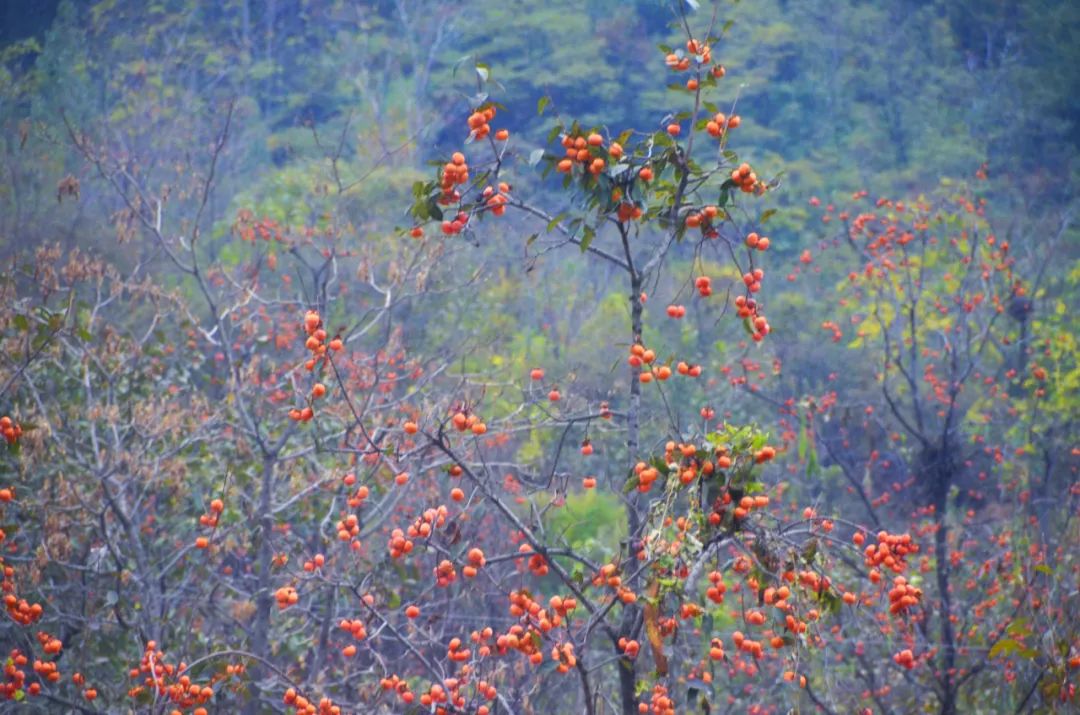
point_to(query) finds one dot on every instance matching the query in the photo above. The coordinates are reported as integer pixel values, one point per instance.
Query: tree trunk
(947, 661)
(263, 601)
(628, 624)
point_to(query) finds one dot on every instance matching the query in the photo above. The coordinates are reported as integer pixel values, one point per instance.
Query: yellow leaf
(651, 613)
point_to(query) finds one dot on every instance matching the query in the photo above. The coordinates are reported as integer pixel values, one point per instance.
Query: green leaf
(803, 440)
(541, 104)
(421, 212)
(1006, 646)
(555, 131)
(812, 464)
(21, 322)
(725, 195)
(1018, 627)
(588, 234)
(433, 210)
(766, 215)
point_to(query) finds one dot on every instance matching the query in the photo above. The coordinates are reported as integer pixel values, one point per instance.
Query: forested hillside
(438, 356)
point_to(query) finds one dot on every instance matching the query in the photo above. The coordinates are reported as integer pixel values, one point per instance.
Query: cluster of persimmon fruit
(586, 151)
(441, 699)
(355, 500)
(480, 124)
(14, 686)
(304, 706)
(659, 702)
(748, 181)
(646, 476)
(903, 596)
(249, 228)
(209, 520)
(354, 627)
(173, 684)
(398, 545)
(446, 572)
(10, 430)
(703, 220)
(535, 622)
(317, 345)
(748, 308)
(465, 421)
(47, 670)
(496, 200)
(640, 357)
(890, 551)
(610, 575)
(455, 173)
(831, 326)
(537, 564)
(286, 596)
(19, 609)
(348, 528)
(15, 676)
(719, 125)
(680, 62)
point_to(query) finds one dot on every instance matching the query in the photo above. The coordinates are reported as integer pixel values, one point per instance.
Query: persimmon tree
(958, 441)
(221, 616)
(695, 508)
(163, 458)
